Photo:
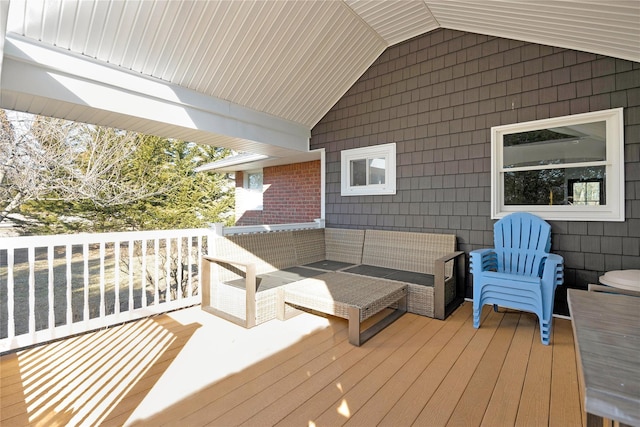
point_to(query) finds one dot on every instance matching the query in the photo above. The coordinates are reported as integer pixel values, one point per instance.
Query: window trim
(388, 151)
(613, 210)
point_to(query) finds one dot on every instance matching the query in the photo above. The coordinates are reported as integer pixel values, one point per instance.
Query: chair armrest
(439, 278)
(449, 257)
(249, 280)
(483, 260)
(553, 271)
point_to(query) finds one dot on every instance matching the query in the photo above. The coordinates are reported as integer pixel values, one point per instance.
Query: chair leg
(476, 315)
(495, 307)
(545, 331)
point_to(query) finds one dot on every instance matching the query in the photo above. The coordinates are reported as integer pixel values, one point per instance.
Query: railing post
(218, 229)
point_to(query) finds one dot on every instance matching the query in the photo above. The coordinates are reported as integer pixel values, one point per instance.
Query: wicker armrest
(221, 260)
(250, 284)
(439, 279)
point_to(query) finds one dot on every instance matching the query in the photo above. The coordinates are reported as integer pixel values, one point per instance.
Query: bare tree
(52, 159)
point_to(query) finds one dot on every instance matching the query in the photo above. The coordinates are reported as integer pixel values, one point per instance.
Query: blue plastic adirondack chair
(519, 273)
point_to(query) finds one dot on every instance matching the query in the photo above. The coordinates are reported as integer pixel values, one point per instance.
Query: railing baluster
(68, 260)
(143, 274)
(156, 273)
(32, 290)
(167, 270)
(189, 263)
(102, 285)
(116, 279)
(179, 268)
(11, 322)
(131, 245)
(199, 260)
(51, 321)
(85, 281)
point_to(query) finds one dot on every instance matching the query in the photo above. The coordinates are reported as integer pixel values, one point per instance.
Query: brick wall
(437, 96)
(291, 194)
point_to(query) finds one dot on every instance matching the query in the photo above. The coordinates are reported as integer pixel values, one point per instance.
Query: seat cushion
(392, 274)
(277, 278)
(329, 265)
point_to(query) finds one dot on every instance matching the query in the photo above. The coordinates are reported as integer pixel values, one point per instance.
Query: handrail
(220, 230)
(76, 239)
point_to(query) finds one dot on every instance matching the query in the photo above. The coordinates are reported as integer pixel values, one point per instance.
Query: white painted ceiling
(274, 68)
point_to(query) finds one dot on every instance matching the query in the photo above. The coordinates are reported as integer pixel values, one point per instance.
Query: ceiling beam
(55, 74)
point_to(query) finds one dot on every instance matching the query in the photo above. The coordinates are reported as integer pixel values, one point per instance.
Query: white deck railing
(56, 286)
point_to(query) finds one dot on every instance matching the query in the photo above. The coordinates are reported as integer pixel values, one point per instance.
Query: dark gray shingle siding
(437, 96)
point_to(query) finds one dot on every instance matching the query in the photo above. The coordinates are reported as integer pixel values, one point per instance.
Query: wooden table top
(606, 328)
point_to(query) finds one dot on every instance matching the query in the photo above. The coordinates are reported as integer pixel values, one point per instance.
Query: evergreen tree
(72, 177)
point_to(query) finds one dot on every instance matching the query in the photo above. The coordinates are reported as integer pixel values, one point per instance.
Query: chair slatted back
(522, 242)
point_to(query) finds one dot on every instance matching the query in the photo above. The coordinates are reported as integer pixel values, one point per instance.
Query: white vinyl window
(369, 170)
(252, 194)
(565, 168)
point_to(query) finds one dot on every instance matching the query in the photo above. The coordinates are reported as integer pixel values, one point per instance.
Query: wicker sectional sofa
(242, 273)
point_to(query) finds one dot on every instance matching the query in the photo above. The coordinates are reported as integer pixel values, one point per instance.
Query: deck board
(502, 408)
(345, 374)
(472, 404)
(384, 398)
(536, 391)
(406, 410)
(372, 384)
(564, 380)
(191, 368)
(443, 402)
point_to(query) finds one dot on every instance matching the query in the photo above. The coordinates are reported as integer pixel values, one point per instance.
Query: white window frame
(613, 210)
(252, 200)
(386, 151)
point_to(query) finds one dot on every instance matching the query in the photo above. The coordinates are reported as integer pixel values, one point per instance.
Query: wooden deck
(189, 368)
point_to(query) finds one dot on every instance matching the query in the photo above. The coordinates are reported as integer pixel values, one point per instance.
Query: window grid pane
(358, 173)
(377, 171)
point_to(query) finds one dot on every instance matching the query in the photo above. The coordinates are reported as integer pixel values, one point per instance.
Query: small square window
(251, 197)
(369, 170)
(254, 181)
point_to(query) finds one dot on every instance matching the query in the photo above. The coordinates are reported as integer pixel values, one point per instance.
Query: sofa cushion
(309, 245)
(392, 274)
(407, 251)
(329, 265)
(269, 251)
(344, 245)
(277, 278)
